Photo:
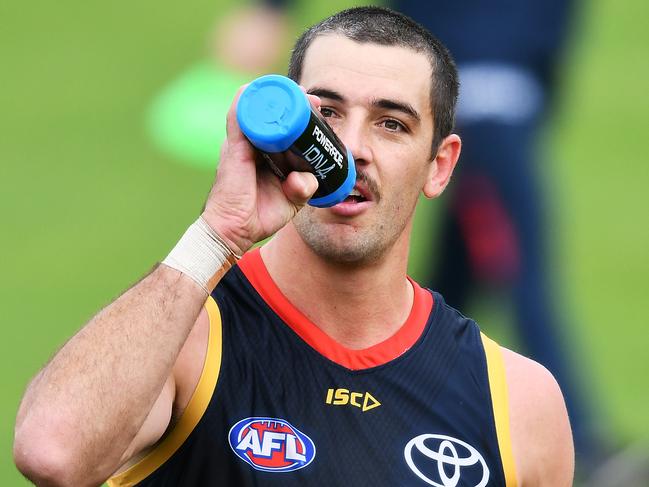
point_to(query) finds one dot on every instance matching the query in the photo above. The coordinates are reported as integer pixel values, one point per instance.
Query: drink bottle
(278, 120)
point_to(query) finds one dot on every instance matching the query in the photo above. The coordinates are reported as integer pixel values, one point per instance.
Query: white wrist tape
(200, 254)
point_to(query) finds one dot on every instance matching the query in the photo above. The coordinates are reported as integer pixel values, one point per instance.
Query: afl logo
(271, 445)
(450, 456)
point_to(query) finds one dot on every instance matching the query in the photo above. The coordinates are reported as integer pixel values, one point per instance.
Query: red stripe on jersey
(255, 271)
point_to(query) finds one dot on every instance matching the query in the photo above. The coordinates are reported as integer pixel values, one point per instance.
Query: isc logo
(342, 397)
(271, 445)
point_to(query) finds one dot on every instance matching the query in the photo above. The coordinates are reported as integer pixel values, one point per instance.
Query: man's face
(377, 100)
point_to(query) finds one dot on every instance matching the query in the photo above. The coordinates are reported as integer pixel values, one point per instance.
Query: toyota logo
(450, 452)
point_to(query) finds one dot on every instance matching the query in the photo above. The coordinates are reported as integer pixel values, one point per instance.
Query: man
(315, 360)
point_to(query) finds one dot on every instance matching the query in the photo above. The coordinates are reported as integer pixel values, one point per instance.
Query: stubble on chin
(339, 245)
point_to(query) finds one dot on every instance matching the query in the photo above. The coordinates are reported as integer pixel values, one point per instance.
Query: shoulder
(539, 425)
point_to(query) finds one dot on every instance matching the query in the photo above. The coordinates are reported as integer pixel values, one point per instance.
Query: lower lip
(348, 209)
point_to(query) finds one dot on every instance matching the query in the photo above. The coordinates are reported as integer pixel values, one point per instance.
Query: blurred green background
(88, 204)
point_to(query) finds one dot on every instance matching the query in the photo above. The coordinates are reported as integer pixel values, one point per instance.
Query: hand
(248, 202)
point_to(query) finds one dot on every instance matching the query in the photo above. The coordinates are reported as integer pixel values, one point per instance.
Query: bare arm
(87, 405)
(540, 429)
(108, 393)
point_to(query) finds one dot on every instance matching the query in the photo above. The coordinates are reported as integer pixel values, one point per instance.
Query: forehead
(366, 70)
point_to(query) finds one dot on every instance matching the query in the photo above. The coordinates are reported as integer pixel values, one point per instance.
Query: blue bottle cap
(273, 112)
(343, 190)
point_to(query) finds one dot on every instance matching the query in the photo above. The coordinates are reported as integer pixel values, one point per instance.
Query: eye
(327, 112)
(394, 125)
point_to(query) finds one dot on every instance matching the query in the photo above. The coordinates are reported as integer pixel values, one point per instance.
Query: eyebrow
(405, 108)
(325, 93)
(385, 103)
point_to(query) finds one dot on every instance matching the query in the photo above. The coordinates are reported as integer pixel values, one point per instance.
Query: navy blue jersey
(279, 403)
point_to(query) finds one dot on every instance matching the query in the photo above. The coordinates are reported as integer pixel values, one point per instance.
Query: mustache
(371, 185)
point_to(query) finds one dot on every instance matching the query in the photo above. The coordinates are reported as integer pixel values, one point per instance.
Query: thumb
(299, 187)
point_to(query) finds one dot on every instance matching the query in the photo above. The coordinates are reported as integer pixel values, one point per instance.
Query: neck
(358, 305)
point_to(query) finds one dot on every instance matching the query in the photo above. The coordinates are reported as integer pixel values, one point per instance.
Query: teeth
(355, 192)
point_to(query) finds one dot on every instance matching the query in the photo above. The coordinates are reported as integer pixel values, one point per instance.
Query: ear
(441, 167)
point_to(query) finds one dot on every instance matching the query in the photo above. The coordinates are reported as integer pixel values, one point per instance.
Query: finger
(315, 101)
(299, 187)
(231, 125)
(238, 143)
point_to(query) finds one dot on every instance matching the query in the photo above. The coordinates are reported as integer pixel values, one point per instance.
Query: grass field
(88, 205)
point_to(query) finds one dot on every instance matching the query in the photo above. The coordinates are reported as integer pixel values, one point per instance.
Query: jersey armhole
(192, 414)
(500, 403)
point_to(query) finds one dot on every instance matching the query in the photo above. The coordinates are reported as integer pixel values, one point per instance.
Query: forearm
(89, 402)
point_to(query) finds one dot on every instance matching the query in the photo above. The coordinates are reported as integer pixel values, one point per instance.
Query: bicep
(174, 395)
(154, 426)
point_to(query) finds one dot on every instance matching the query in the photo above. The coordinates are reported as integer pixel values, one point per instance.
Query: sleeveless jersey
(280, 403)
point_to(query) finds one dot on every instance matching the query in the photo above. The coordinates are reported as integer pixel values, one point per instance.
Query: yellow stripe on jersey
(192, 414)
(498, 387)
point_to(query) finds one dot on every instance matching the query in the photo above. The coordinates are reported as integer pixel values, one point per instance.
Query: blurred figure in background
(494, 227)
(252, 38)
(245, 42)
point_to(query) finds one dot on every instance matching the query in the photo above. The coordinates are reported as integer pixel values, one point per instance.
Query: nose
(355, 136)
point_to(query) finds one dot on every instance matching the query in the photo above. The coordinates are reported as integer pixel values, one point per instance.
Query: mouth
(359, 200)
(356, 196)
(363, 191)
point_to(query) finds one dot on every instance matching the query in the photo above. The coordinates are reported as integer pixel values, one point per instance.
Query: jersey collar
(255, 271)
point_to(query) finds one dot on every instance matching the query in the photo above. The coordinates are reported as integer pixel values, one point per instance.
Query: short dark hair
(383, 26)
